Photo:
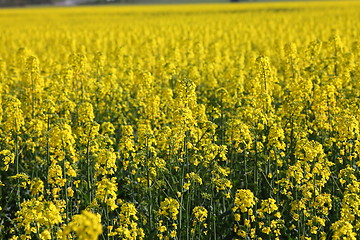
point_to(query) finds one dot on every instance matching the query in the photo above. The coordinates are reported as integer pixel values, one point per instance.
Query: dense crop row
(184, 122)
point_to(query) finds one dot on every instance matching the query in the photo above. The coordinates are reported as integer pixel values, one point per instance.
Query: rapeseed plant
(195, 122)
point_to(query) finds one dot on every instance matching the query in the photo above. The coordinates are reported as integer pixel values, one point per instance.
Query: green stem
(17, 162)
(149, 184)
(88, 173)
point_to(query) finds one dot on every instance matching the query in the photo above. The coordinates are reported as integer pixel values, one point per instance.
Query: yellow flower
(40, 213)
(241, 233)
(162, 228)
(268, 206)
(277, 215)
(45, 235)
(266, 230)
(173, 234)
(187, 186)
(106, 191)
(244, 200)
(169, 208)
(8, 159)
(86, 226)
(200, 213)
(36, 186)
(70, 192)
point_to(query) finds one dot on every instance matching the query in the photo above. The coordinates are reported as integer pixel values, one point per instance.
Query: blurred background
(13, 3)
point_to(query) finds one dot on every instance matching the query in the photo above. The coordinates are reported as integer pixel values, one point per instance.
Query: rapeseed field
(231, 121)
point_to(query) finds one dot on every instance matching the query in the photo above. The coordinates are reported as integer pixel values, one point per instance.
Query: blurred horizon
(9, 3)
(17, 3)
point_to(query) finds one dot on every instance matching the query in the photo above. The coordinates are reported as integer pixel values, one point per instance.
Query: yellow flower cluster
(127, 223)
(38, 217)
(86, 226)
(226, 121)
(199, 223)
(243, 211)
(271, 222)
(169, 208)
(244, 200)
(168, 212)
